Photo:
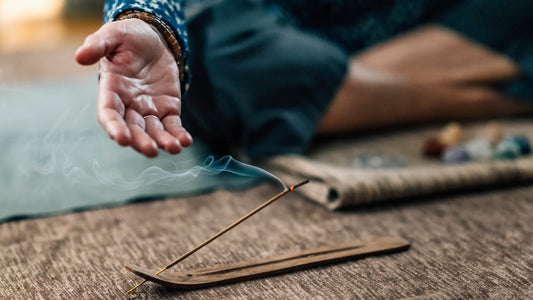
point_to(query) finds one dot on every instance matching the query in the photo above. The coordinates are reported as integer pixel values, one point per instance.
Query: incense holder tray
(195, 279)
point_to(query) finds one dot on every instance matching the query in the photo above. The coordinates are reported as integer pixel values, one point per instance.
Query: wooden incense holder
(195, 279)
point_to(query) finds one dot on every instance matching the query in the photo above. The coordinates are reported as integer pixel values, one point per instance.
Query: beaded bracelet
(164, 29)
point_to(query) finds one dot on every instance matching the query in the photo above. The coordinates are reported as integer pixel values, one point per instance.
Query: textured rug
(476, 244)
(466, 246)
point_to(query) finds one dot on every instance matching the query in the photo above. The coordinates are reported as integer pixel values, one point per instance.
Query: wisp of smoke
(210, 167)
(74, 156)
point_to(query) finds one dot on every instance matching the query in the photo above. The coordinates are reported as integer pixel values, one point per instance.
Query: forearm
(370, 99)
(435, 54)
(363, 104)
(430, 74)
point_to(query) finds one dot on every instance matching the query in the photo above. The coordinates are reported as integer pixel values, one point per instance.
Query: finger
(111, 114)
(100, 44)
(167, 105)
(113, 123)
(165, 140)
(172, 125)
(141, 141)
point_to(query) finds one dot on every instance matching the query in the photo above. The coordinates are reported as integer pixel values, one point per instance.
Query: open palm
(139, 98)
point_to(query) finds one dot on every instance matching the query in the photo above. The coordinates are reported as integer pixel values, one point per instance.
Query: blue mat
(55, 157)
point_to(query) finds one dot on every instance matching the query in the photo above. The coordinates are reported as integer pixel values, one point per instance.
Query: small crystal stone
(456, 155)
(378, 162)
(360, 162)
(479, 150)
(507, 149)
(452, 135)
(494, 132)
(523, 142)
(434, 148)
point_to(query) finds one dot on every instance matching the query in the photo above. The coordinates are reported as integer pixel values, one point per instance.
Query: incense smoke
(66, 152)
(60, 153)
(210, 167)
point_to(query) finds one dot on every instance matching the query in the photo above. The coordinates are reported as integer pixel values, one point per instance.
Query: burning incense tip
(299, 184)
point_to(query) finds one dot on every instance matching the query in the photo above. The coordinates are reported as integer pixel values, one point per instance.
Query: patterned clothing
(171, 11)
(334, 19)
(266, 70)
(357, 24)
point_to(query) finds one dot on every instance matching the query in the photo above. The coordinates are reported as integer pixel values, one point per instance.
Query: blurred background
(38, 37)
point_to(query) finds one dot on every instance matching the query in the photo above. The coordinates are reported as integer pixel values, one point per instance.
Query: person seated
(265, 77)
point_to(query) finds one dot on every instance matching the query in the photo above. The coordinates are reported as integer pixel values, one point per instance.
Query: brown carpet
(464, 245)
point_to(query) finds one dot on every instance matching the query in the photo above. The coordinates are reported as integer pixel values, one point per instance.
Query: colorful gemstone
(456, 155)
(452, 135)
(378, 162)
(507, 149)
(434, 148)
(479, 150)
(494, 133)
(523, 142)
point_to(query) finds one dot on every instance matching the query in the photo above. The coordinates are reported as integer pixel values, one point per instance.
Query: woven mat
(337, 185)
(464, 245)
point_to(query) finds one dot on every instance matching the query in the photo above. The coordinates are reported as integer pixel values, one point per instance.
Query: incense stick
(239, 221)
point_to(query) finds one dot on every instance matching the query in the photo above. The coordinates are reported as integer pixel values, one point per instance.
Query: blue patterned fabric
(171, 11)
(355, 25)
(358, 24)
(303, 50)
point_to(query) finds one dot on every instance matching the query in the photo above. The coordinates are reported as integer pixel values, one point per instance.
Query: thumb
(99, 44)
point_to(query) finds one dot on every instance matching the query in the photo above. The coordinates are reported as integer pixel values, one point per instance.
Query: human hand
(139, 97)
